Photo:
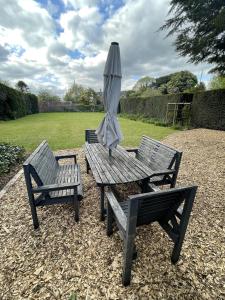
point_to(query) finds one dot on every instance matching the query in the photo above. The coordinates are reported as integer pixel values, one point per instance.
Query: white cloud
(80, 28)
(37, 48)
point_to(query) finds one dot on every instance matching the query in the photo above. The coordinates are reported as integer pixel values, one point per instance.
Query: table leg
(102, 206)
(144, 188)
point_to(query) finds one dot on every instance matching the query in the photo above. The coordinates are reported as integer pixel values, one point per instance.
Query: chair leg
(109, 229)
(34, 214)
(76, 205)
(31, 197)
(183, 226)
(144, 185)
(176, 251)
(87, 166)
(128, 257)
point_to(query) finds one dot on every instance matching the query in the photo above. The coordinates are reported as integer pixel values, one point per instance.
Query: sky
(49, 44)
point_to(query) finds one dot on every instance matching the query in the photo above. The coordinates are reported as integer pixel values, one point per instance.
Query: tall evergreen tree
(199, 26)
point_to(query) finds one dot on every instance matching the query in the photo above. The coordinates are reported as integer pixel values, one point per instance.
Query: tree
(148, 92)
(89, 97)
(78, 94)
(199, 26)
(130, 93)
(163, 80)
(5, 82)
(45, 95)
(218, 82)
(200, 87)
(74, 92)
(22, 86)
(180, 82)
(169, 84)
(143, 83)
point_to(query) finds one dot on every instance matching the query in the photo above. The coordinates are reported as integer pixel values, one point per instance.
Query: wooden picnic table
(121, 167)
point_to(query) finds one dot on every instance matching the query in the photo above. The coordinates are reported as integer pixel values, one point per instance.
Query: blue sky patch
(17, 50)
(75, 54)
(54, 7)
(108, 9)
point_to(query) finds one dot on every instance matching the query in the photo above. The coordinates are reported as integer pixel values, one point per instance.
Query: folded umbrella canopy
(108, 132)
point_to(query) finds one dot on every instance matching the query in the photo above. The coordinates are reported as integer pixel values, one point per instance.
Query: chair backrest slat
(155, 154)
(90, 136)
(160, 205)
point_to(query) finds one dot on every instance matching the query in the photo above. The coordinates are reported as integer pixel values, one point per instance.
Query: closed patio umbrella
(108, 132)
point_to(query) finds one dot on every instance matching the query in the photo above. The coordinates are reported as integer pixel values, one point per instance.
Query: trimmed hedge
(66, 106)
(208, 109)
(14, 104)
(152, 107)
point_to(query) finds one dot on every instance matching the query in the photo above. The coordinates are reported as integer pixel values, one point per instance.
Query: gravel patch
(64, 257)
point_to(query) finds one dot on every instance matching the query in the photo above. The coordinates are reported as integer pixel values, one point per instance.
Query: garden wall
(15, 104)
(59, 106)
(208, 109)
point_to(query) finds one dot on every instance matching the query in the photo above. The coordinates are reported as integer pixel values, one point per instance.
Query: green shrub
(9, 156)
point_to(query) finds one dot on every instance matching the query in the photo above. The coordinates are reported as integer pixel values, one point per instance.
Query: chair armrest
(135, 150)
(55, 187)
(58, 157)
(163, 172)
(117, 210)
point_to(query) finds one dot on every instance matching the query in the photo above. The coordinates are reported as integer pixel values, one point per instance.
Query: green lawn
(66, 130)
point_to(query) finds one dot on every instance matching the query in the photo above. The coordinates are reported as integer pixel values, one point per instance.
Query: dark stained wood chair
(170, 208)
(48, 182)
(161, 159)
(90, 138)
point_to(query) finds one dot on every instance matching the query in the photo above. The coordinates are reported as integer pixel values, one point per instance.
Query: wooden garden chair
(161, 206)
(48, 182)
(90, 138)
(161, 159)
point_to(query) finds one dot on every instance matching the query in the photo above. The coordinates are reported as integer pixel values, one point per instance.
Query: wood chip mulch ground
(63, 258)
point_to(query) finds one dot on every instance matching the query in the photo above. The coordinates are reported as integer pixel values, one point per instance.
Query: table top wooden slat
(97, 173)
(111, 169)
(107, 175)
(122, 167)
(126, 167)
(130, 164)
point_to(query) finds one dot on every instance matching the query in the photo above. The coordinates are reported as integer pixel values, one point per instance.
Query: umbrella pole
(110, 152)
